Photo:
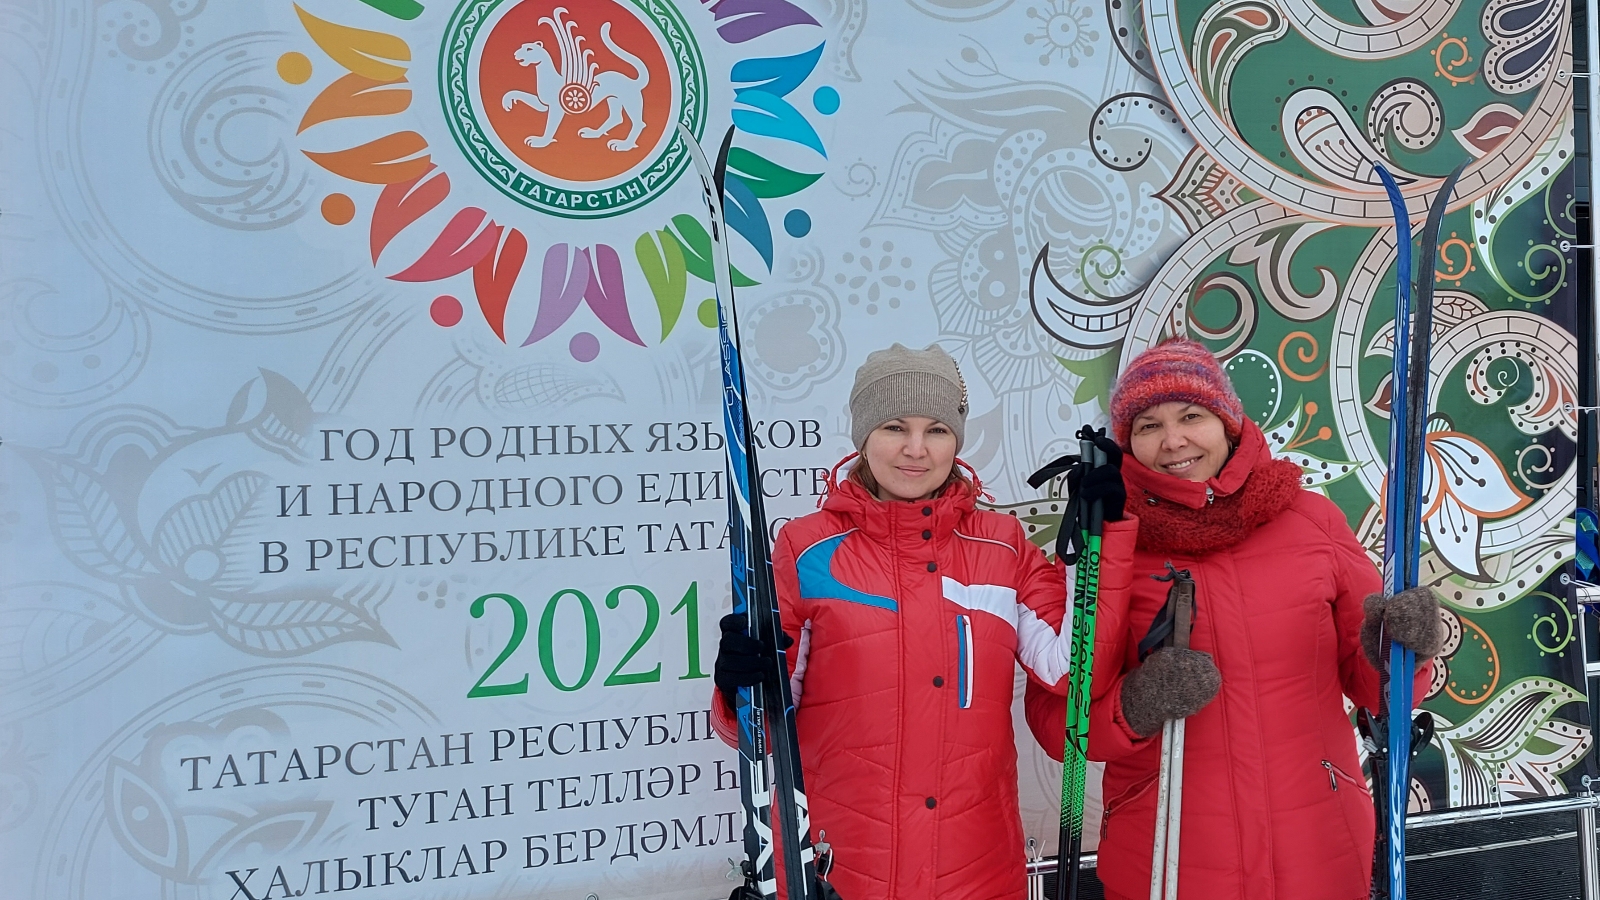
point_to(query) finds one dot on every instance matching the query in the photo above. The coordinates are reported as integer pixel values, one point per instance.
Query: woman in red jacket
(909, 611)
(1274, 803)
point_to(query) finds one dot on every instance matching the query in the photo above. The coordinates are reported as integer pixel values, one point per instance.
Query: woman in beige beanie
(909, 609)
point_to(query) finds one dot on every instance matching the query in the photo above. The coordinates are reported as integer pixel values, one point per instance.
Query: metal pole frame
(1589, 848)
(1588, 841)
(1588, 293)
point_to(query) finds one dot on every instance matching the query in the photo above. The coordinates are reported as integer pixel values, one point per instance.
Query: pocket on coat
(1344, 780)
(1130, 798)
(1355, 801)
(965, 667)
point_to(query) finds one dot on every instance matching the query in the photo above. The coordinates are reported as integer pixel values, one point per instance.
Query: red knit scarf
(1168, 527)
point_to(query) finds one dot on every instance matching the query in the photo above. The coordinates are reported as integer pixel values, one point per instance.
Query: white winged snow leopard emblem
(579, 85)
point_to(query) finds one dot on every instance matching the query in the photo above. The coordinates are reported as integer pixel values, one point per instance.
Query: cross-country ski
(771, 778)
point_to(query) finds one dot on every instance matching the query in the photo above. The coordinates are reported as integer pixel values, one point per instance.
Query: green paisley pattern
(1288, 274)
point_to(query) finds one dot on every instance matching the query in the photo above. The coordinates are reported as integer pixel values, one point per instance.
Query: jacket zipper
(965, 664)
(1119, 802)
(1336, 774)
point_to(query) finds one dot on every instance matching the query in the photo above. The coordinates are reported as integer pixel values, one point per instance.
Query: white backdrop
(239, 648)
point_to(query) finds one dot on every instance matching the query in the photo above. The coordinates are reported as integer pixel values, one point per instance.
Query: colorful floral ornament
(530, 119)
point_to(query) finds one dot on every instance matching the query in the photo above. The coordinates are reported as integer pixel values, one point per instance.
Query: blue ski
(1403, 501)
(769, 752)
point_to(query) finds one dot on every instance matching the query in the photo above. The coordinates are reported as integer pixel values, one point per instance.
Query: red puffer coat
(909, 620)
(1274, 803)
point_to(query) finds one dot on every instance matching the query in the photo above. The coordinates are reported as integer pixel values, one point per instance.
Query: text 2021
(620, 674)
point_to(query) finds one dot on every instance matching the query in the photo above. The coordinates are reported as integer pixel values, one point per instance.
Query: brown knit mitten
(1409, 618)
(1171, 683)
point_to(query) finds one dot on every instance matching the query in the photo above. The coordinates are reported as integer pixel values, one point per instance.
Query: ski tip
(1448, 188)
(1436, 213)
(697, 153)
(688, 136)
(1392, 189)
(720, 170)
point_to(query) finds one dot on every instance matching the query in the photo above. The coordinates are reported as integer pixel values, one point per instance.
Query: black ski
(769, 751)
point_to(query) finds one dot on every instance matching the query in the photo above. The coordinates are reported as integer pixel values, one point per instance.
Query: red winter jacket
(1274, 803)
(909, 619)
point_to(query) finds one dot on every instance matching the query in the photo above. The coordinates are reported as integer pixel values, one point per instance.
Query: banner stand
(1584, 805)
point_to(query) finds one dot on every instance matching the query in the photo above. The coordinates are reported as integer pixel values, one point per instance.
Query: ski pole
(1158, 859)
(1089, 524)
(1169, 791)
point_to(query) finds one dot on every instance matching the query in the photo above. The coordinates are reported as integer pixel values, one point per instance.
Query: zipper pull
(1210, 495)
(1332, 783)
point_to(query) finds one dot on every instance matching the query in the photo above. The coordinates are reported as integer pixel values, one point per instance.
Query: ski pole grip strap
(1177, 613)
(1183, 614)
(1051, 469)
(1069, 535)
(1160, 630)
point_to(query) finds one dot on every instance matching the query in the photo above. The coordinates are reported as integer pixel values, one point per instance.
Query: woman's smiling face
(1185, 440)
(910, 457)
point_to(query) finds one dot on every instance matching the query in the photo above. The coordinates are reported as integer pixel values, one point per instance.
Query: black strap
(1161, 628)
(1075, 518)
(1053, 468)
(1421, 732)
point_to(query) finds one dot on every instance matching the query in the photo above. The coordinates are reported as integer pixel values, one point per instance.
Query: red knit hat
(1177, 369)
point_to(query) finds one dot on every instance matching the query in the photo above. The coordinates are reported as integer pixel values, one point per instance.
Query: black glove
(1172, 683)
(1104, 482)
(1086, 483)
(742, 661)
(1409, 618)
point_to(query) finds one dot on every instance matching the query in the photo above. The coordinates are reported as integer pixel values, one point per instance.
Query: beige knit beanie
(903, 382)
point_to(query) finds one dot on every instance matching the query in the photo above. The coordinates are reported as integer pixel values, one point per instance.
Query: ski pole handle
(1182, 611)
(1097, 509)
(1093, 457)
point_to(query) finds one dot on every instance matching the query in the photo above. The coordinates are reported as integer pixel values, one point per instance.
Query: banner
(361, 481)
